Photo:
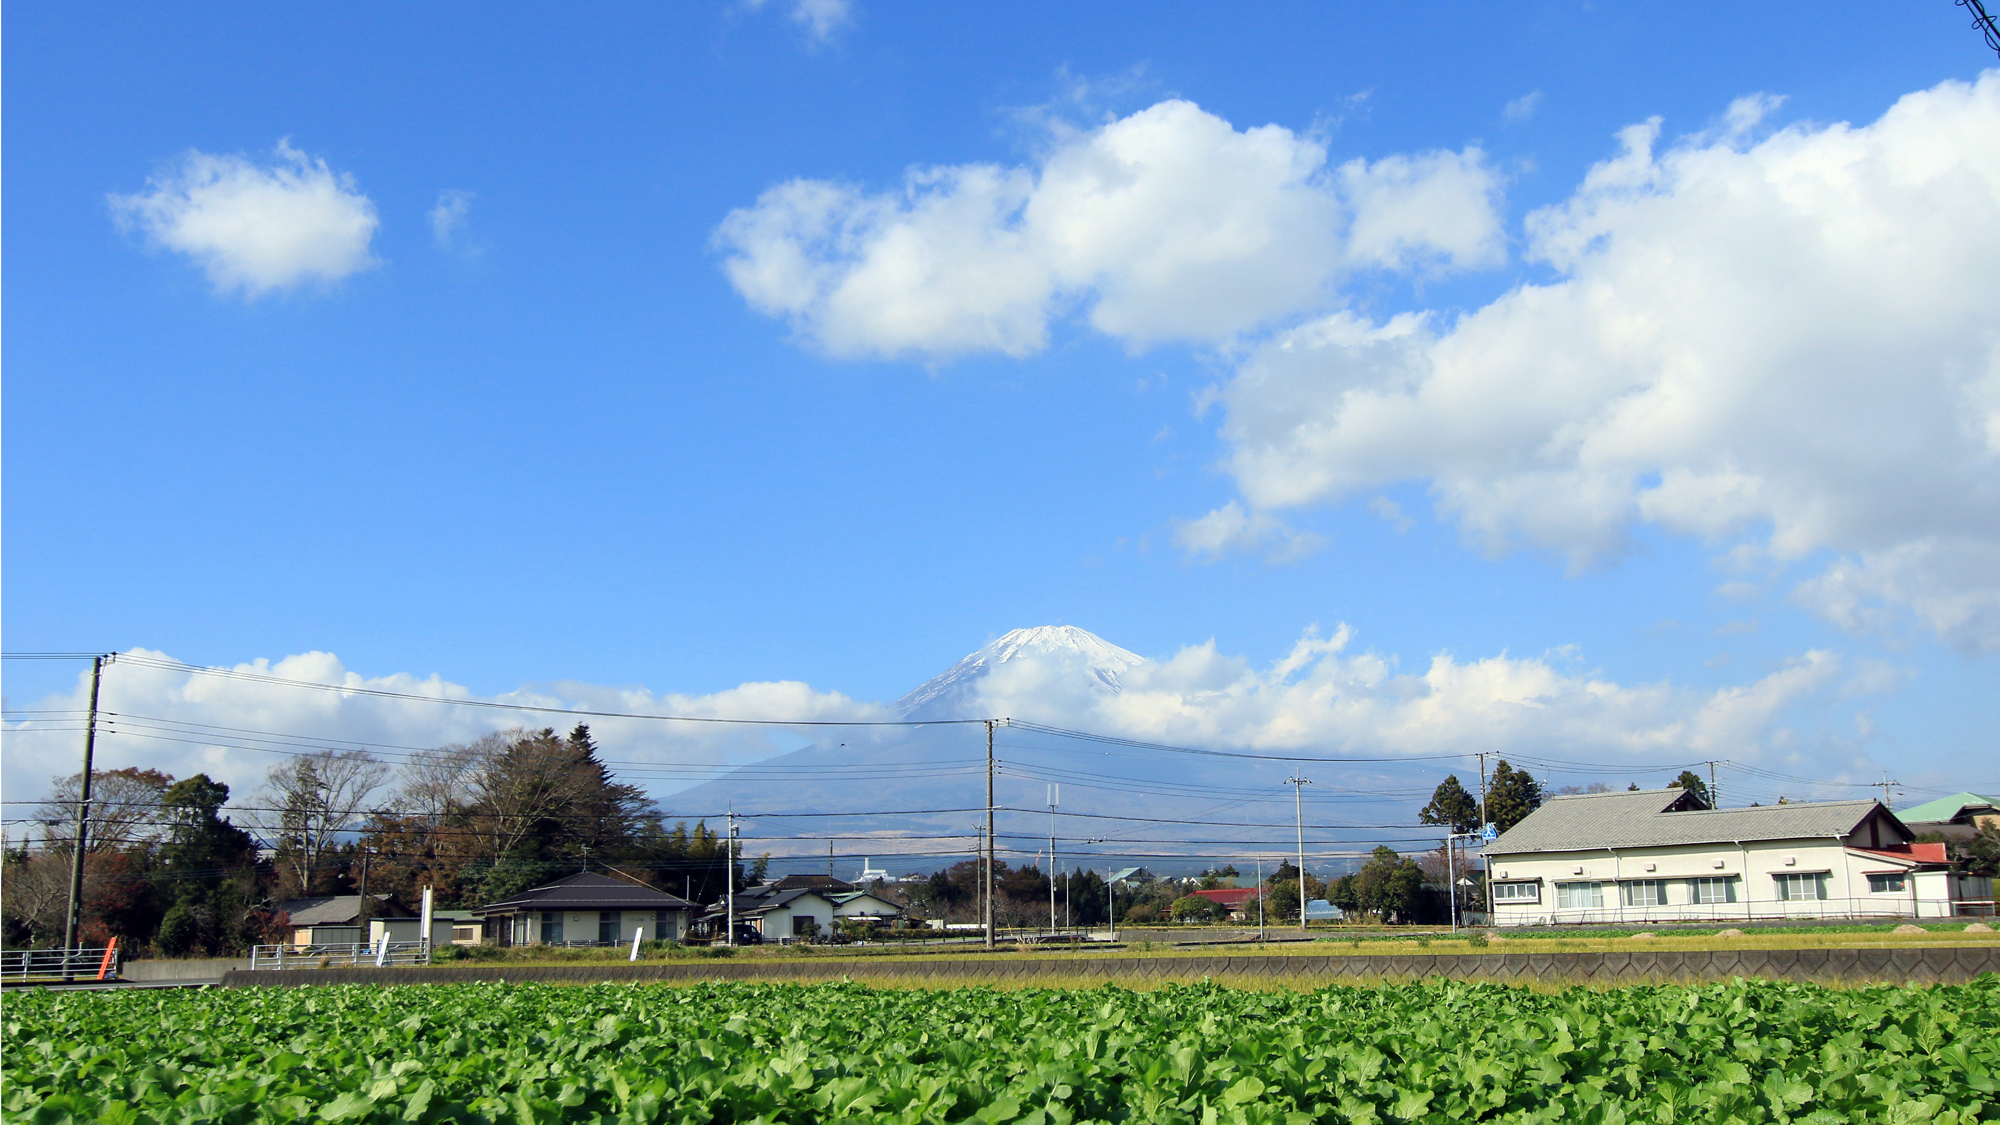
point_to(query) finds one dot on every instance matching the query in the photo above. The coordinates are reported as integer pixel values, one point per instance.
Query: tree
(1452, 805)
(1512, 795)
(1691, 782)
(124, 810)
(1389, 884)
(1192, 908)
(207, 867)
(315, 797)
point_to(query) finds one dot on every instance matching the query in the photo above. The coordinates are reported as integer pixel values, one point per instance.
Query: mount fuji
(1085, 660)
(919, 792)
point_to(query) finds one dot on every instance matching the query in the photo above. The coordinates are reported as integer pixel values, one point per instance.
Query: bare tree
(124, 810)
(34, 897)
(440, 783)
(310, 799)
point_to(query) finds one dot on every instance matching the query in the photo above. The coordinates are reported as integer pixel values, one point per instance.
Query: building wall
(583, 926)
(1753, 868)
(781, 923)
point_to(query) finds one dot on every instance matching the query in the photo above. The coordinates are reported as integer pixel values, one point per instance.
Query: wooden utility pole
(82, 817)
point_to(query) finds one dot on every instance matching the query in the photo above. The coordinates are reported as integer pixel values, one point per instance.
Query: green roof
(1944, 808)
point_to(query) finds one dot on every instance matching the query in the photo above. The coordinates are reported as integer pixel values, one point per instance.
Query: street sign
(1490, 833)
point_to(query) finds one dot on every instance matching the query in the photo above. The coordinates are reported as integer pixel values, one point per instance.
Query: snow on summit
(1078, 657)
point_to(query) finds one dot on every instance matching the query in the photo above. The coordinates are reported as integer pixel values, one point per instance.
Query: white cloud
(1229, 530)
(1392, 513)
(1521, 108)
(255, 228)
(140, 696)
(1166, 224)
(819, 19)
(1786, 347)
(448, 216)
(1321, 696)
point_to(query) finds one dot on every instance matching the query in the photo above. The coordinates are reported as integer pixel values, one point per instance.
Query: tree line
(170, 867)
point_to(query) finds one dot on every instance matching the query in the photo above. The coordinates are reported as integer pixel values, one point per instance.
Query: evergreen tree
(1451, 804)
(1691, 781)
(1512, 795)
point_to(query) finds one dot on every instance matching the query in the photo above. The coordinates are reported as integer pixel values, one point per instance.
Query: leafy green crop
(1437, 1052)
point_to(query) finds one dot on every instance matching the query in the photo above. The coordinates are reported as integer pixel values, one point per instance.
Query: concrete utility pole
(729, 879)
(82, 818)
(1885, 784)
(1299, 806)
(1260, 897)
(1486, 869)
(1055, 797)
(1714, 796)
(987, 883)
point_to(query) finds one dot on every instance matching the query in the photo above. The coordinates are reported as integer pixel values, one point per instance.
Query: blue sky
(533, 426)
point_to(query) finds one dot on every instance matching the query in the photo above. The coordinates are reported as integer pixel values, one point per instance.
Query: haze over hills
(919, 792)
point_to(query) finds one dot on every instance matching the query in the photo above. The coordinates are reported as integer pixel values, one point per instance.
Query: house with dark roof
(337, 919)
(585, 909)
(1661, 855)
(800, 906)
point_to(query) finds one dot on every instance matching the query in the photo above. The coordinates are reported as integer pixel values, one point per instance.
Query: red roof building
(1235, 900)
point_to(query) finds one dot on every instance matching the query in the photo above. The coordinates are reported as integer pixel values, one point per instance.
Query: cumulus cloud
(1783, 345)
(185, 723)
(1323, 695)
(1168, 224)
(252, 227)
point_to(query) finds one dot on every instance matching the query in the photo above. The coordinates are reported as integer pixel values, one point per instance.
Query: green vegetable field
(1438, 1052)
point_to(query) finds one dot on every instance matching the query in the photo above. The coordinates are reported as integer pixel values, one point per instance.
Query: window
(663, 926)
(1517, 892)
(1883, 884)
(1579, 896)
(552, 927)
(1712, 890)
(1799, 888)
(607, 927)
(1643, 892)
(523, 929)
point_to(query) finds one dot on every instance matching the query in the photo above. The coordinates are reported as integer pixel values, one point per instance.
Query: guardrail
(342, 955)
(19, 965)
(1759, 911)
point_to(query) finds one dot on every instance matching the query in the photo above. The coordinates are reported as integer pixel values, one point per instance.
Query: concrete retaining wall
(1937, 965)
(199, 968)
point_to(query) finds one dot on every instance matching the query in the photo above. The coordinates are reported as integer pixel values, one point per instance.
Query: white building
(1658, 855)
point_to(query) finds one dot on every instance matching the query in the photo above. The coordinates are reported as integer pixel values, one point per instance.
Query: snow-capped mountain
(1092, 661)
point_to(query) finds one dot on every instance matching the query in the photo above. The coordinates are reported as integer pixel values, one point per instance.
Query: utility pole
(1486, 869)
(82, 818)
(988, 881)
(1714, 796)
(1299, 806)
(729, 878)
(1055, 796)
(1260, 899)
(1885, 784)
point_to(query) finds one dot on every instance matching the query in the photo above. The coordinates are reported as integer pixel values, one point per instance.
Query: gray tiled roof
(1639, 820)
(589, 891)
(338, 910)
